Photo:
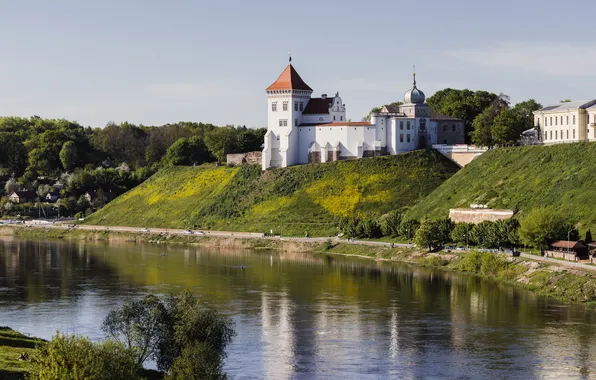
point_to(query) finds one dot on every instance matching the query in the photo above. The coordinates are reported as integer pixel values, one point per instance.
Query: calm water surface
(303, 316)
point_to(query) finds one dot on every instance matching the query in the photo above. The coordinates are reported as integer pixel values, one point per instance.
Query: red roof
(339, 124)
(566, 244)
(289, 80)
(317, 106)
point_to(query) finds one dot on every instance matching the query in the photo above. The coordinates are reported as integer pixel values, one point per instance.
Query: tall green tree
(543, 225)
(222, 141)
(68, 155)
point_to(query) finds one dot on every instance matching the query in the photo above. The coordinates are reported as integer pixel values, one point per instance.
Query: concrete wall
(250, 158)
(477, 215)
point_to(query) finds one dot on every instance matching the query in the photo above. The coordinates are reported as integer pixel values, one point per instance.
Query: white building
(302, 129)
(567, 122)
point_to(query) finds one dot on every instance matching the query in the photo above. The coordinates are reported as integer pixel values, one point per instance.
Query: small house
(52, 197)
(93, 195)
(22, 196)
(568, 250)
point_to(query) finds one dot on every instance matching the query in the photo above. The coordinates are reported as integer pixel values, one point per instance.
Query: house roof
(582, 104)
(289, 80)
(567, 244)
(391, 108)
(339, 124)
(316, 106)
(24, 194)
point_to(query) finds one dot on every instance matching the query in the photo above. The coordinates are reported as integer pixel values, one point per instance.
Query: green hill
(522, 178)
(289, 201)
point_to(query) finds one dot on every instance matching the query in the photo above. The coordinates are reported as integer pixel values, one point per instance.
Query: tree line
(539, 228)
(44, 155)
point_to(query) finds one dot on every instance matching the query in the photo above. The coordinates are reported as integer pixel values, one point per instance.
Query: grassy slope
(522, 178)
(12, 345)
(290, 200)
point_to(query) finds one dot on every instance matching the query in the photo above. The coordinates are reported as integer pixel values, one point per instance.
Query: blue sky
(154, 62)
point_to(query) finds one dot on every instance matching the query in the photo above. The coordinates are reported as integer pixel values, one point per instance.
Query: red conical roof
(289, 80)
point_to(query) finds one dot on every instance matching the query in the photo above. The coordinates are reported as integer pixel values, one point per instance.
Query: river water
(305, 316)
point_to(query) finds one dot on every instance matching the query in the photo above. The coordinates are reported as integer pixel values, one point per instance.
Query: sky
(153, 62)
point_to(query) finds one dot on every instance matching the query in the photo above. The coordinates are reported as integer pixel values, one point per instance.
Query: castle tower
(286, 99)
(415, 107)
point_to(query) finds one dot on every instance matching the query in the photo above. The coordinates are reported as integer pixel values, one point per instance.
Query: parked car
(188, 232)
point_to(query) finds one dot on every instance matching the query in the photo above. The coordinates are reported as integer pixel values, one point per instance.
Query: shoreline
(545, 278)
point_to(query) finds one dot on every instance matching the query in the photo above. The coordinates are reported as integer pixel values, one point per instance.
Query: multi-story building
(567, 122)
(302, 129)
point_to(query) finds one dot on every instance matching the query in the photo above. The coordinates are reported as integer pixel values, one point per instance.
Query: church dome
(414, 95)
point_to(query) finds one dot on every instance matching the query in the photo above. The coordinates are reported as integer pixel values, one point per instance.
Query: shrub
(369, 228)
(491, 264)
(68, 357)
(198, 361)
(390, 224)
(471, 262)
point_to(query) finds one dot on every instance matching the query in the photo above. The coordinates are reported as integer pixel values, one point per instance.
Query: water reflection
(302, 315)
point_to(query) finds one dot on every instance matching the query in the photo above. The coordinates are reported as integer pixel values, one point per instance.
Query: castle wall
(477, 215)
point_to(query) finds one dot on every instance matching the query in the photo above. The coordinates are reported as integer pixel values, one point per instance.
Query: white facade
(567, 122)
(302, 129)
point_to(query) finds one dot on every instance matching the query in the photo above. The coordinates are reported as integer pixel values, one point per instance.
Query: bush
(408, 227)
(491, 264)
(390, 224)
(197, 362)
(471, 262)
(68, 357)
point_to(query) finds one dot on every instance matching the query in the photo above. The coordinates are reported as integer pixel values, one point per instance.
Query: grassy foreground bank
(571, 285)
(12, 345)
(290, 201)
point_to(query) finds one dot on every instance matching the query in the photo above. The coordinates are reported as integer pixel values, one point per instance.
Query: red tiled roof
(289, 80)
(565, 244)
(339, 124)
(316, 106)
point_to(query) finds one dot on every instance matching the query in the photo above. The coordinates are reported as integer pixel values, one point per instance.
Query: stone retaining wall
(250, 158)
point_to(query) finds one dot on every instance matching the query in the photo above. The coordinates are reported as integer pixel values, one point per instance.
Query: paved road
(208, 233)
(256, 235)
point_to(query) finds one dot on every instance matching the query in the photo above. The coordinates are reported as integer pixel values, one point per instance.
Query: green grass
(289, 201)
(12, 345)
(522, 178)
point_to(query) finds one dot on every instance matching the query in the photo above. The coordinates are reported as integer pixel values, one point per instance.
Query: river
(303, 316)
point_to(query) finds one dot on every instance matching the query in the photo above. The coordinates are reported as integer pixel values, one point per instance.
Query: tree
(11, 185)
(461, 233)
(390, 224)
(433, 233)
(68, 155)
(197, 362)
(221, 141)
(139, 326)
(371, 112)
(507, 127)
(408, 227)
(162, 328)
(544, 225)
(565, 101)
(483, 123)
(187, 151)
(250, 140)
(525, 111)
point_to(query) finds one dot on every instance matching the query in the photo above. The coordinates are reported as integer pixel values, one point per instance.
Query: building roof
(289, 80)
(392, 108)
(317, 106)
(567, 244)
(339, 124)
(27, 194)
(582, 104)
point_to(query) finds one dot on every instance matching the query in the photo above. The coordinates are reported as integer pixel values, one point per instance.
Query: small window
(333, 118)
(445, 141)
(573, 119)
(341, 118)
(285, 106)
(556, 121)
(545, 136)
(408, 125)
(561, 120)
(408, 136)
(574, 133)
(545, 122)
(401, 125)
(274, 106)
(567, 119)
(444, 127)
(556, 134)
(453, 128)
(301, 106)
(295, 106)
(551, 135)
(401, 137)
(296, 122)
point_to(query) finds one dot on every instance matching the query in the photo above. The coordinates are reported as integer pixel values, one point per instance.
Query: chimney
(323, 96)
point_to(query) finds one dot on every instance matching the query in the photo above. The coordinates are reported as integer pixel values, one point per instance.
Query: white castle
(303, 129)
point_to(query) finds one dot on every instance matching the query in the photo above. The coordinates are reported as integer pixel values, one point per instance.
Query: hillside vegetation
(523, 178)
(290, 201)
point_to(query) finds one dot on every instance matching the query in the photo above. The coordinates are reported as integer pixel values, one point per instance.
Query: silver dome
(414, 95)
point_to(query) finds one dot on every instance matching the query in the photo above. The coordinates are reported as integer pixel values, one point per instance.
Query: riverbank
(552, 279)
(12, 345)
